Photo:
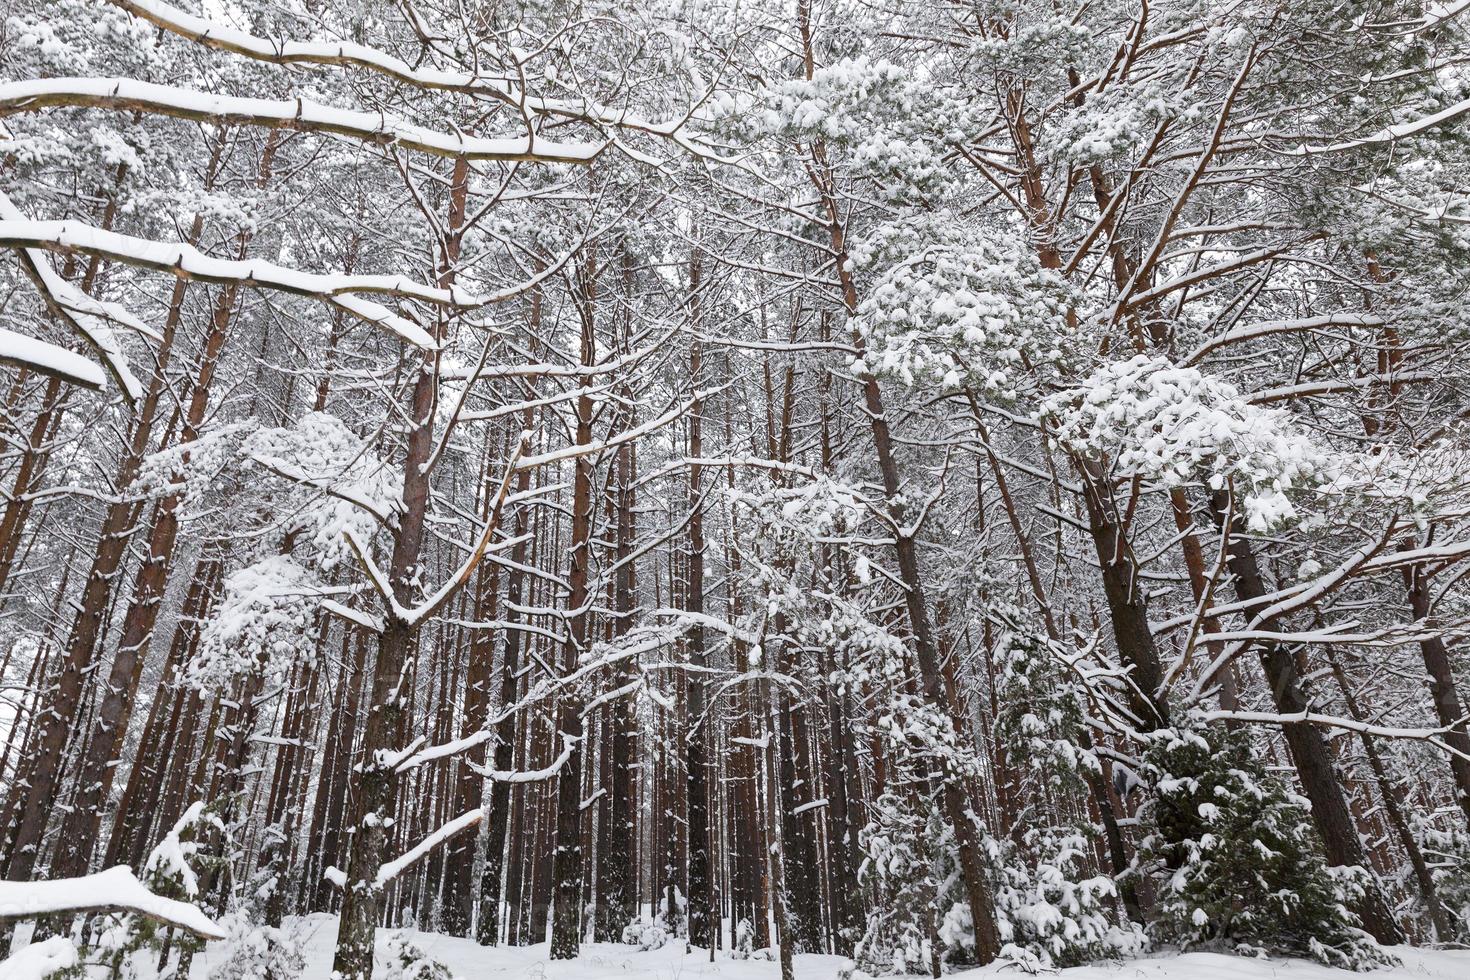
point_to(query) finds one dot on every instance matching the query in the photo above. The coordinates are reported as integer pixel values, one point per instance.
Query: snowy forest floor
(608, 961)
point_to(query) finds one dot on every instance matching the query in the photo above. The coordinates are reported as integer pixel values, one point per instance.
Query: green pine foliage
(1057, 908)
(1242, 868)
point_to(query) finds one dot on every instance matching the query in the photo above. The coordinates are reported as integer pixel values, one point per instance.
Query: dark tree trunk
(567, 864)
(1309, 749)
(388, 710)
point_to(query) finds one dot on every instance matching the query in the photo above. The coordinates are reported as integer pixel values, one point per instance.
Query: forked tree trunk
(388, 707)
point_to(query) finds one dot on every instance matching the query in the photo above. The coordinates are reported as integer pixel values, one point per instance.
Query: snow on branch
(281, 51)
(1434, 736)
(627, 435)
(47, 958)
(187, 262)
(49, 359)
(1389, 134)
(569, 743)
(88, 317)
(369, 622)
(132, 95)
(1268, 328)
(116, 889)
(398, 865)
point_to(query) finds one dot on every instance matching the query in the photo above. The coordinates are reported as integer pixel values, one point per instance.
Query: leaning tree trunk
(100, 760)
(1442, 691)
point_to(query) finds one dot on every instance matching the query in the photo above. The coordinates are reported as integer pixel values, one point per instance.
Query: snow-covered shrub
(406, 961)
(258, 952)
(911, 860)
(743, 946)
(981, 314)
(1055, 908)
(1175, 425)
(130, 943)
(51, 959)
(647, 934)
(1241, 865)
(263, 618)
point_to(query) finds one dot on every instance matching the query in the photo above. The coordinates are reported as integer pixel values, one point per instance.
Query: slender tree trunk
(617, 881)
(567, 865)
(28, 474)
(703, 916)
(775, 848)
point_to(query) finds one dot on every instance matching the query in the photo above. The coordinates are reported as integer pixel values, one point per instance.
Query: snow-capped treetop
(346, 486)
(1176, 425)
(263, 618)
(891, 124)
(981, 315)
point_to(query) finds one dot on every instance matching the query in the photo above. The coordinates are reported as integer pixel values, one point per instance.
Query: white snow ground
(606, 961)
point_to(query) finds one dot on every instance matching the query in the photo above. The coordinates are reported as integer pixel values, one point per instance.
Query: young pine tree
(1241, 867)
(1056, 910)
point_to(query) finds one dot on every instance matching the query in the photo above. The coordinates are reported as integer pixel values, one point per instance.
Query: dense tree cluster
(931, 482)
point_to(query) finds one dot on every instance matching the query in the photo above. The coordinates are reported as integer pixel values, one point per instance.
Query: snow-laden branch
(116, 889)
(625, 436)
(1338, 385)
(1434, 736)
(375, 574)
(49, 359)
(132, 95)
(1268, 328)
(187, 262)
(369, 622)
(569, 744)
(283, 51)
(88, 317)
(445, 750)
(295, 474)
(398, 865)
(1389, 134)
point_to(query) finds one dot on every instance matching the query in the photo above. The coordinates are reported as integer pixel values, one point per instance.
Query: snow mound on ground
(614, 961)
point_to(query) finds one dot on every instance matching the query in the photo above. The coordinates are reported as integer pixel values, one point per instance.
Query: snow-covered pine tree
(1056, 908)
(911, 858)
(1240, 866)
